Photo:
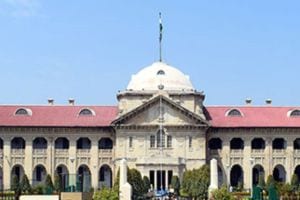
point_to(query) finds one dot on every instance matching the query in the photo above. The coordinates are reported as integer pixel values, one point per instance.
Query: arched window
(236, 175)
(297, 144)
(105, 177)
(84, 143)
(23, 111)
(161, 72)
(234, 113)
(18, 143)
(279, 173)
(279, 143)
(236, 143)
(105, 143)
(1, 143)
(86, 112)
(258, 143)
(295, 113)
(61, 143)
(215, 143)
(39, 143)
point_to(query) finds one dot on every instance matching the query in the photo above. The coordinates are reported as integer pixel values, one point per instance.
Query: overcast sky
(88, 50)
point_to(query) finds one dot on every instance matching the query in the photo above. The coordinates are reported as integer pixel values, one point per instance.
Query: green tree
(175, 184)
(222, 194)
(295, 182)
(195, 182)
(261, 181)
(49, 184)
(134, 178)
(15, 185)
(270, 181)
(116, 186)
(57, 183)
(25, 186)
(106, 194)
(147, 184)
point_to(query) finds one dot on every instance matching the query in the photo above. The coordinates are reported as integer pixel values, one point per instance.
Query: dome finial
(160, 37)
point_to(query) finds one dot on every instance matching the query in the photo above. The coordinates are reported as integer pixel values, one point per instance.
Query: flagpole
(160, 37)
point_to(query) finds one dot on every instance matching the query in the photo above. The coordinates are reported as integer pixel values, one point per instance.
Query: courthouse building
(161, 125)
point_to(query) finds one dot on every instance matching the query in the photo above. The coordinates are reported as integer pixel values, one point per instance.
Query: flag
(160, 27)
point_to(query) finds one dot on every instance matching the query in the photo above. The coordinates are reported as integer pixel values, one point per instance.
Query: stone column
(125, 187)
(28, 161)
(213, 175)
(6, 163)
(72, 160)
(166, 179)
(155, 180)
(94, 163)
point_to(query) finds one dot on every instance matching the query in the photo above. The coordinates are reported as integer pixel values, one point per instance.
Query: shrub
(221, 193)
(134, 178)
(25, 186)
(147, 184)
(175, 183)
(106, 194)
(38, 189)
(57, 183)
(48, 185)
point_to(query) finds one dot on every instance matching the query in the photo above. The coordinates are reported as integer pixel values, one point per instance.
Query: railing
(17, 151)
(236, 151)
(39, 151)
(61, 152)
(105, 152)
(83, 152)
(258, 151)
(215, 151)
(279, 151)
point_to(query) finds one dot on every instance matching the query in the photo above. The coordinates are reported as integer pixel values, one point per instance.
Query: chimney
(71, 102)
(50, 102)
(248, 101)
(268, 101)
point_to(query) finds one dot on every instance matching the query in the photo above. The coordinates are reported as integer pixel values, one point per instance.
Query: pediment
(159, 109)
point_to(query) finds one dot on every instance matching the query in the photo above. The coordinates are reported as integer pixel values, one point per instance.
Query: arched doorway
(63, 173)
(236, 176)
(105, 177)
(279, 173)
(297, 171)
(257, 171)
(17, 171)
(39, 174)
(83, 179)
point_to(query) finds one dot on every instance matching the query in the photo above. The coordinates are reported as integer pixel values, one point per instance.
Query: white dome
(160, 74)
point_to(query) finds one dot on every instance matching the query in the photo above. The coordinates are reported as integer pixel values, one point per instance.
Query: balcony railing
(257, 151)
(39, 151)
(215, 151)
(83, 152)
(236, 151)
(61, 152)
(279, 151)
(105, 152)
(17, 151)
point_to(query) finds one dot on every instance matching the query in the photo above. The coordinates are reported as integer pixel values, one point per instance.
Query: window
(160, 139)
(105, 143)
(237, 143)
(86, 112)
(161, 72)
(152, 141)
(234, 113)
(130, 142)
(190, 141)
(169, 141)
(23, 111)
(215, 143)
(295, 113)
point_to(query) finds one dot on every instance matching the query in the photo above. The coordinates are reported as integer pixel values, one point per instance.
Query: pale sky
(88, 50)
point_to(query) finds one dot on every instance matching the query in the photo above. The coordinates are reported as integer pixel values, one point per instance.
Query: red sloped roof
(253, 116)
(62, 116)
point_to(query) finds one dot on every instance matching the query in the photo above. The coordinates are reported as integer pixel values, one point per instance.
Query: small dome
(160, 76)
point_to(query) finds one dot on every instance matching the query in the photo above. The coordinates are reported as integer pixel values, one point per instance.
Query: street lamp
(251, 176)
